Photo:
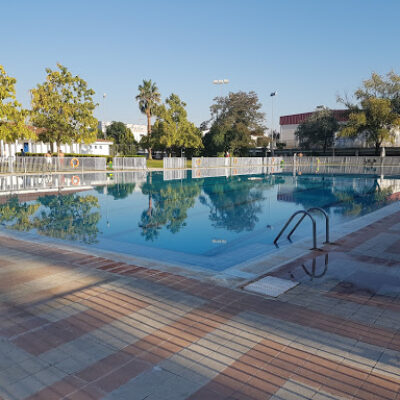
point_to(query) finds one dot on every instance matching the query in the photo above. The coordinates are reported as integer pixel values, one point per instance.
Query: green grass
(154, 163)
(159, 163)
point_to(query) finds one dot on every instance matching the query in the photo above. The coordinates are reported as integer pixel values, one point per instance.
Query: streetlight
(272, 95)
(221, 82)
(104, 115)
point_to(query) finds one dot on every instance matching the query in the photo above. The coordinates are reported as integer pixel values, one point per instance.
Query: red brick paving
(257, 374)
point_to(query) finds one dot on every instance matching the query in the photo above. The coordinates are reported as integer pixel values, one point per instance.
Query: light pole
(104, 115)
(272, 95)
(221, 82)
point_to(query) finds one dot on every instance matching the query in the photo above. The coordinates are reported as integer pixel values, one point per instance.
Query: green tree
(236, 119)
(12, 116)
(63, 105)
(148, 99)
(172, 130)
(122, 137)
(318, 131)
(376, 114)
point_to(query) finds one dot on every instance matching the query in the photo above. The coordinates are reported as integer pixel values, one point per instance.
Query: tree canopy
(12, 116)
(63, 105)
(172, 130)
(122, 137)
(376, 113)
(318, 131)
(235, 119)
(148, 98)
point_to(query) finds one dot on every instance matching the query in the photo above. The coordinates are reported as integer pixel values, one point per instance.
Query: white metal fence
(343, 160)
(219, 162)
(228, 171)
(210, 162)
(174, 162)
(51, 164)
(129, 163)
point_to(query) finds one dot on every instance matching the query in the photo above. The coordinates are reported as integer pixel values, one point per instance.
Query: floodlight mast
(221, 82)
(272, 95)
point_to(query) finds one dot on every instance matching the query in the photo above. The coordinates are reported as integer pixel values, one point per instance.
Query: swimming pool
(212, 223)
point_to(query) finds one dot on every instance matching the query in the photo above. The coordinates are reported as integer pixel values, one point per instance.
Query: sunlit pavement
(75, 326)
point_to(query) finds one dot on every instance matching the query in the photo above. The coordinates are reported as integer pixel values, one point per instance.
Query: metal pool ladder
(314, 226)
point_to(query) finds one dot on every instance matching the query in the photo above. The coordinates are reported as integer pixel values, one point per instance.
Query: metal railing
(235, 162)
(323, 212)
(174, 162)
(124, 163)
(314, 228)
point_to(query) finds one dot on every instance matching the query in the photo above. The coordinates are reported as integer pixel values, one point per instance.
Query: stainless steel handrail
(326, 223)
(314, 227)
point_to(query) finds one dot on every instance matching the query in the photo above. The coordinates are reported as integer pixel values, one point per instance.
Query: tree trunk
(149, 133)
(377, 147)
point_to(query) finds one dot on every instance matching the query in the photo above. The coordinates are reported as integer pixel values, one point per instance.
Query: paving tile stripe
(68, 329)
(117, 369)
(261, 372)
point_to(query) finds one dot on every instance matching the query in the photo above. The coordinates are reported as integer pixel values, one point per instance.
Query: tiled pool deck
(77, 326)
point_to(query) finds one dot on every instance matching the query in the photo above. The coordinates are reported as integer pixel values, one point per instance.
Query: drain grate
(271, 286)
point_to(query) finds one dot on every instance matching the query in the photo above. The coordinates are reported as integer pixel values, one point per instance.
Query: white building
(137, 130)
(99, 147)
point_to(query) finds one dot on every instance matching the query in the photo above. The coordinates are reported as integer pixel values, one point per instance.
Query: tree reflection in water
(118, 190)
(354, 198)
(17, 216)
(235, 203)
(168, 205)
(60, 216)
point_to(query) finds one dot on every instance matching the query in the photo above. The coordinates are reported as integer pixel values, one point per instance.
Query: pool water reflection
(209, 222)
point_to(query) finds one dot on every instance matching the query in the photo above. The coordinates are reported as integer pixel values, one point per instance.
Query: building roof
(105, 141)
(295, 119)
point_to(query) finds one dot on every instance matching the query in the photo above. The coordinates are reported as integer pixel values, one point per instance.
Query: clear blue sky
(308, 50)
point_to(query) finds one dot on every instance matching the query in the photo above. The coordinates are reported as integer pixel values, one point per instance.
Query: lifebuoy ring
(198, 162)
(74, 163)
(75, 180)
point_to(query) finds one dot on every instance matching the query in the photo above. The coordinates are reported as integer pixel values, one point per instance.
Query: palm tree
(148, 99)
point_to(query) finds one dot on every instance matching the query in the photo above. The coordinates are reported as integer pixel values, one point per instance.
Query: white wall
(287, 135)
(96, 148)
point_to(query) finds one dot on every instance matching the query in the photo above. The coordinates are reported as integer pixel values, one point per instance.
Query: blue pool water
(213, 223)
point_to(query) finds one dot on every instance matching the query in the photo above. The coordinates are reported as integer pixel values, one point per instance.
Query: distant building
(289, 124)
(137, 130)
